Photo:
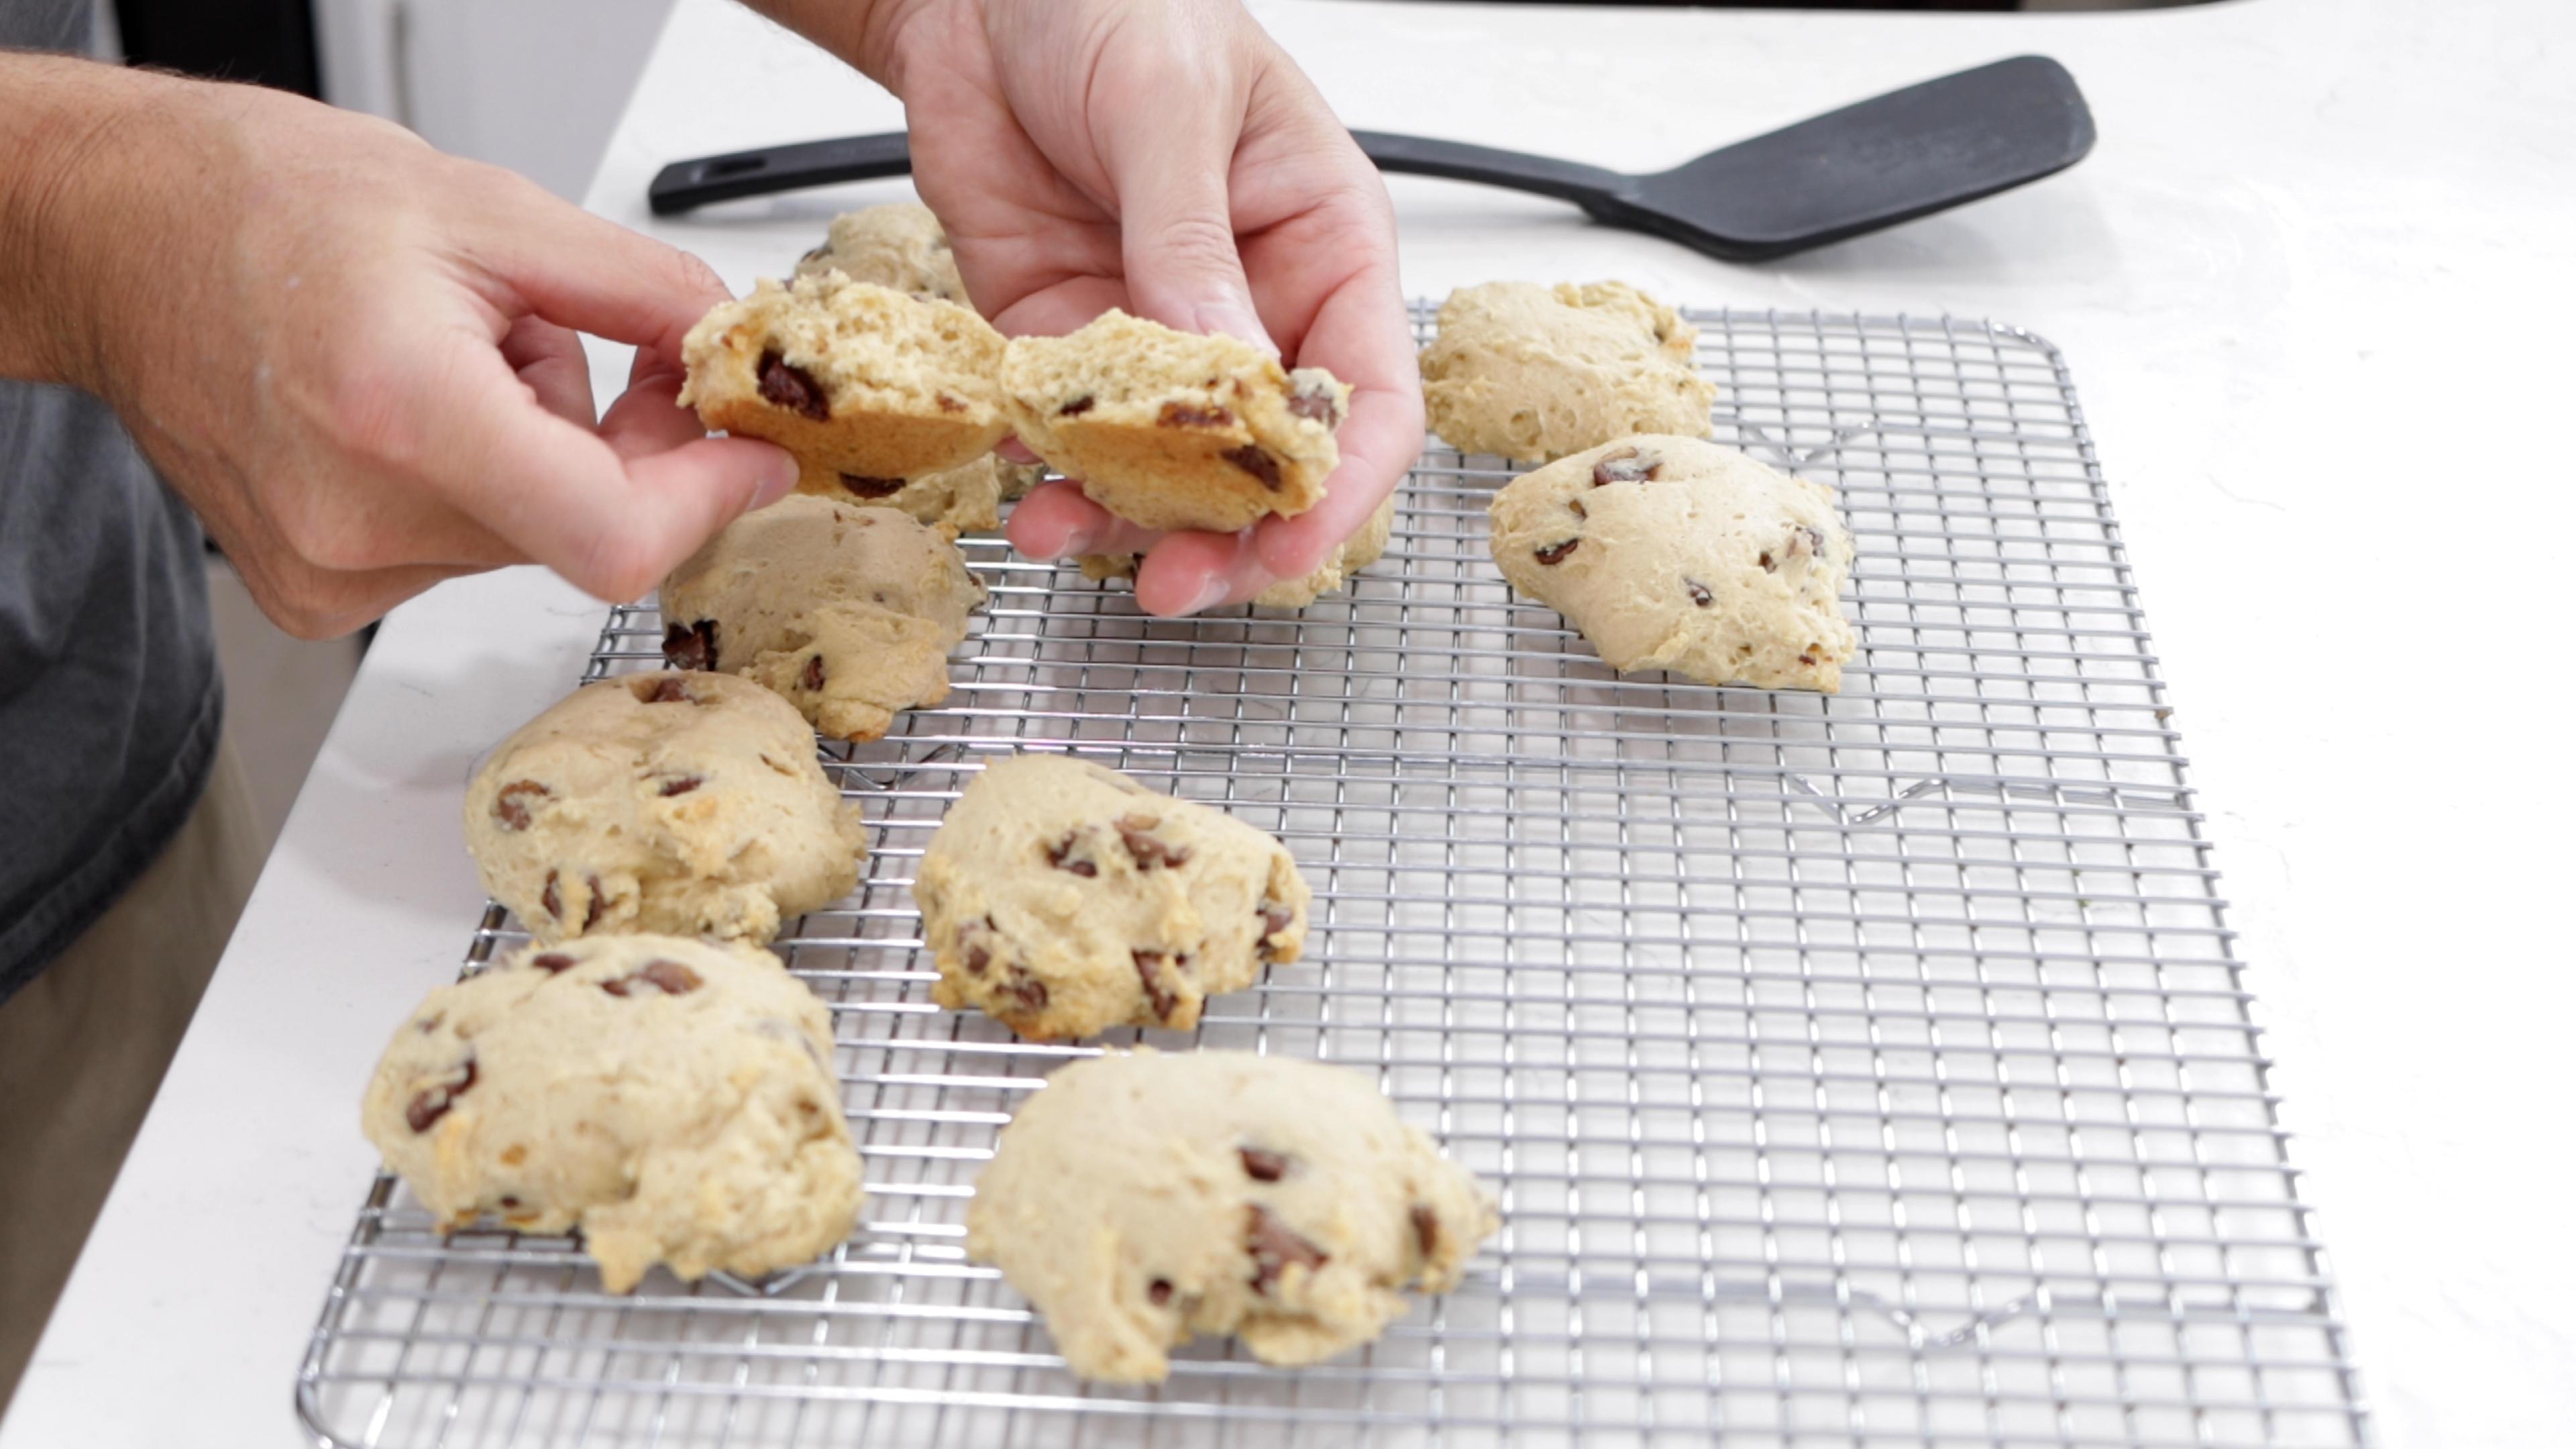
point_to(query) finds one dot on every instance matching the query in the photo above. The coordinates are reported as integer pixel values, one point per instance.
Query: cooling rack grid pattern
(1873, 1069)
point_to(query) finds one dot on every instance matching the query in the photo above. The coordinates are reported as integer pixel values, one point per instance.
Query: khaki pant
(83, 1047)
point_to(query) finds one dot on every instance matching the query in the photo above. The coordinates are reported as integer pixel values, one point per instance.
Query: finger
(549, 360)
(1012, 450)
(1056, 521)
(1175, 215)
(612, 525)
(647, 418)
(1192, 571)
(580, 270)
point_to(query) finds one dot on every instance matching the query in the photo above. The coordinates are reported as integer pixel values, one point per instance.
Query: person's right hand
(355, 357)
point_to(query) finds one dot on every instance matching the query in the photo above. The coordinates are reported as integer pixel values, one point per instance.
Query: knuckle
(1200, 242)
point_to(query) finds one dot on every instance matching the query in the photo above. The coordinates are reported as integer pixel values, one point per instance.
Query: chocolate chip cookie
(1140, 1199)
(1675, 553)
(954, 501)
(671, 1099)
(1171, 430)
(855, 379)
(683, 803)
(847, 612)
(1529, 373)
(898, 245)
(1061, 898)
(1347, 558)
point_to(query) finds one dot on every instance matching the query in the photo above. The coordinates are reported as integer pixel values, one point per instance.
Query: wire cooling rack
(1853, 1070)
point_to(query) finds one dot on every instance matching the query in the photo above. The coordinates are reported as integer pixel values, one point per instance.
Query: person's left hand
(1164, 157)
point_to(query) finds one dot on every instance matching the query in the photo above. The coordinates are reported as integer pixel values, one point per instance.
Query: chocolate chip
(508, 1202)
(1806, 658)
(1025, 993)
(1426, 1229)
(1254, 461)
(817, 254)
(1275, 918)
(1274, 1247)
(1768, 566)
(1057, 853)
(1316, 404)
(690, 646)
(1185, 415)
(552, 900)
(682, 785)
(1625, 466)
(784, 384)
(1159, 1291)
(1149, 969)
(814, 674)
(669, 977)
(512, 803)
(1815, 540)
(1148, 848)
(871, 487)
(598, 901)
(977, 958)
(1555, 553)
(971, 936)
(431, 1103)
(1262, 1165)
(666, 691)
(552, 963)
(1077, 407)
(1575, 507)
(1699, 592)
(949, 404)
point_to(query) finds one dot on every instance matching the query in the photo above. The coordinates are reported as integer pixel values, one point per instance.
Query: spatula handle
(1457, 161)
(688, 185)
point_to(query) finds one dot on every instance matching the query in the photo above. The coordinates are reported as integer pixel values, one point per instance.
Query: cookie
(1171, 430)
(671, 1099)
(851, 377)
(848, 613)
(682, 803)
(1062, 898)
(1018, 478)
(898, 245)
(1675, 553)
(954, 501)
(1139, 1199)
(1529, 373)
(1347, 558)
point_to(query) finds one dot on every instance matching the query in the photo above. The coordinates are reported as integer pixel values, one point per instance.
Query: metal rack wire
(1859, 1070)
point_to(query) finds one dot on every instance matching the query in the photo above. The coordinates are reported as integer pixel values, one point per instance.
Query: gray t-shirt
(110, 706)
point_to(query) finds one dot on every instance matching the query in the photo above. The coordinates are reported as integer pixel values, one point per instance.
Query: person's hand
(355, 357)
(1164, 157)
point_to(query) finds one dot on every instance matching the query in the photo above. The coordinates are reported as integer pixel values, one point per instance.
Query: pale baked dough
(1347, 558)
(1529, 373)
(671, 1099)
(898, 245)
(1140, 1199)
(848, 613)
(1061, 897)
(682, 803)
(1676, 553)
(851, 377)
(1173, 430)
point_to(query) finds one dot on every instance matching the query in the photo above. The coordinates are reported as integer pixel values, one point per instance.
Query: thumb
(1176, 222)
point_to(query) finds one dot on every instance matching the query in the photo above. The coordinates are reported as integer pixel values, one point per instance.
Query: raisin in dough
(1062, 898)
(1171, 430)
(958, 500)
(1347, 558)
(1139, 1199)
(684, 803)
(672, 1099)
(847, 612)
(851, 377)
(1675, 553)
(1529, 373)
(898, 245)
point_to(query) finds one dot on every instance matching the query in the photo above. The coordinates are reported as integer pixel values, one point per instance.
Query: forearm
(60, 135)
(858, 31)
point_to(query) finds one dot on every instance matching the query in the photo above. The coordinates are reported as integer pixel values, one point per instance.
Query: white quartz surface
(2314, 287)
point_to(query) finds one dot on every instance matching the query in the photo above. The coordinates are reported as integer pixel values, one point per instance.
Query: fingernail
(777, 482)
(1235, 320)
(1211, 594)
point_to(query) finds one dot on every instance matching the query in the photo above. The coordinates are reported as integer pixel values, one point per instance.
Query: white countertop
(2314, 288)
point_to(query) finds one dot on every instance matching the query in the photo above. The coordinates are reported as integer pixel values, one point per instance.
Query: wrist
(63, 158)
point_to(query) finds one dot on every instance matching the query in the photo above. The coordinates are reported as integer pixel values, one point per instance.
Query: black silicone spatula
(1886, 160)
